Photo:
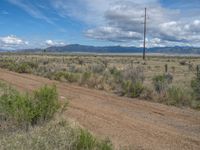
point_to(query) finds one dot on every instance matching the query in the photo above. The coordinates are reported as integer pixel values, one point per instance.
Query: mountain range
(120, 49)
(76, 48)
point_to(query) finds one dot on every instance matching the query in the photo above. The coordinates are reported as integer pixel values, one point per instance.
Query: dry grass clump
(54, 135)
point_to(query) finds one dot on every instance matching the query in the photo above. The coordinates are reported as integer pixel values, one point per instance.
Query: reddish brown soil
(127, 122)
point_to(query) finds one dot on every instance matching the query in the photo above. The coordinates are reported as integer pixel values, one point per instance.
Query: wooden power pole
(145, 29)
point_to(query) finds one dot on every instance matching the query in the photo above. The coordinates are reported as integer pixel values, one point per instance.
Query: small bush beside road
(27, 122)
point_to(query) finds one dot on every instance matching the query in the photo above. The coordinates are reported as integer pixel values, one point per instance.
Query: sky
(44, 23)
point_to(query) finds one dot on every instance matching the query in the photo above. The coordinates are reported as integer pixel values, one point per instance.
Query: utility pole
(145, 29)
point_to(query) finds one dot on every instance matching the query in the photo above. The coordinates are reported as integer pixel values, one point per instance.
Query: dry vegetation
(27, 122)
(175, 84)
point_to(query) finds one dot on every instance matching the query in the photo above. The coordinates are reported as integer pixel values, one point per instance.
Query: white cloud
(122, 21)
(126, 18)
(54, 43)
(156, 42)
(193, 27)
(12, 42)
(113, 34)
(89, 11)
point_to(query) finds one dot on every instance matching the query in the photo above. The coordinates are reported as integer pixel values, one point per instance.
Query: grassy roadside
(27, 121)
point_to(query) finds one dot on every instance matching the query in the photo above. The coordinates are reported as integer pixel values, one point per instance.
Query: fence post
(166, 68)
(198, 70)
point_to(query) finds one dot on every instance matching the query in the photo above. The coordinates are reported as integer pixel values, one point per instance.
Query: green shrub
(105, 145)
(58, 75)
(134, 74)
(195, 104)
(117, 74)
(195, 84)
(32, 64)
(132, 89)
(23, 68)
(161, 82)
(85, 77)
(3, 88)
(8, 64)
(16, 107)
(70, 77)
(20, 67)
(178, 97)
(85, 141)
(130, 81)
(24, 110)
(45, 104)
(27, 109)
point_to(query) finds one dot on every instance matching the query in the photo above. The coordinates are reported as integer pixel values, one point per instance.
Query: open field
(123, 75)
(129, 122)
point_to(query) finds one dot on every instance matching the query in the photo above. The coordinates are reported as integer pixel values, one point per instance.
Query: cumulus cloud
(113, 34)
(155, 42)
(126, 18)
(122, 21)
(53, 43)
(193, 27)
(180, 32)
(12, 42)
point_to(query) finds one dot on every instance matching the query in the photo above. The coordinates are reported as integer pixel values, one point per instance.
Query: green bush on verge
(85, 140)
(178, 97)
(195, 84)
(24, 110)
(23, 68)
(45, 104)
(132, 89)
(161, 82)
(70, 77)
(41, 106)
(129, 82)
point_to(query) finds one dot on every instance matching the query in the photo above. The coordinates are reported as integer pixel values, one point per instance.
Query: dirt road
(127, 122)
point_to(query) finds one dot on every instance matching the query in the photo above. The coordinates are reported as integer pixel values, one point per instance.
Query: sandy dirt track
(127, 122)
